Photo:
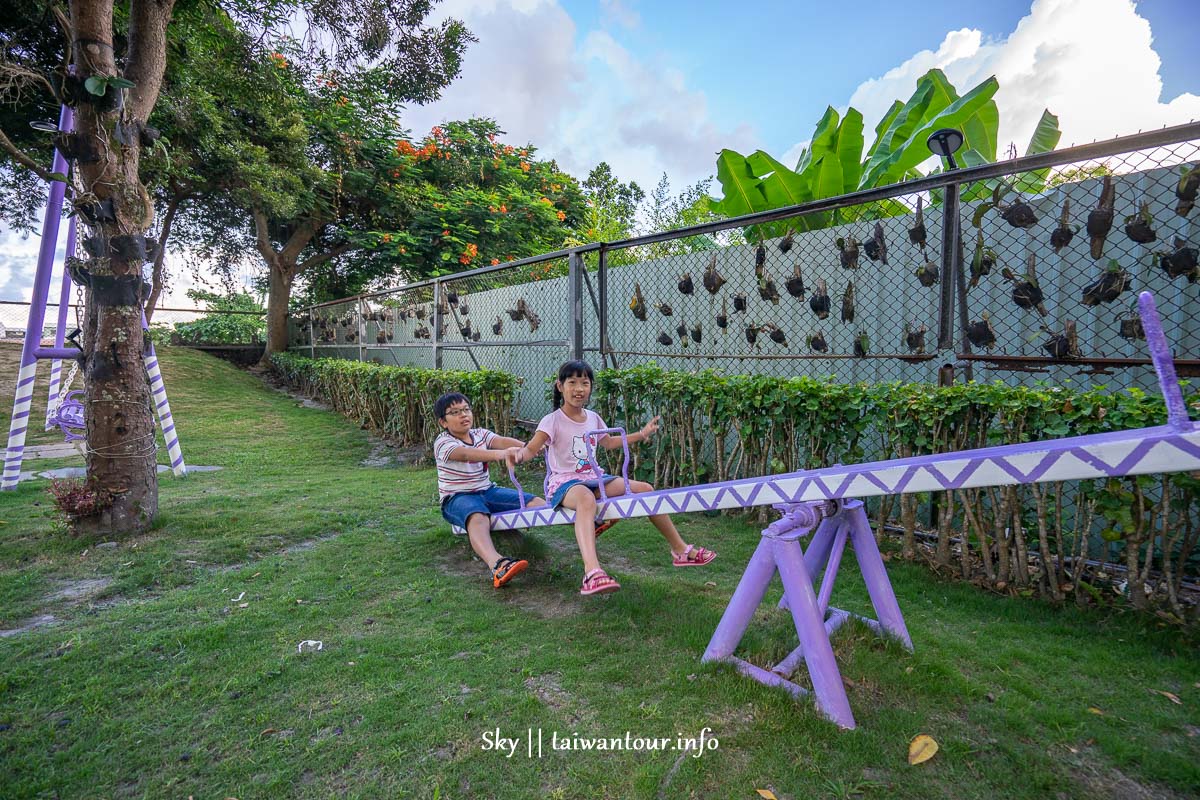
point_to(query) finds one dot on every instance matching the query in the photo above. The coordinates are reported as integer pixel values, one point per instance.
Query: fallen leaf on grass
(243, 605)
(766, 793)
(269, 731)
(1095, 710)
(1172, 697)
(921, 749)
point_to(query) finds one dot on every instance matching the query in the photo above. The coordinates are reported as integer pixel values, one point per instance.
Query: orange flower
(387, 237)
(492, 209)
(524, 166)
(446, 232)
(508, 149)
(503, 209)
(495, 261)
(545, 200)
(561, 216)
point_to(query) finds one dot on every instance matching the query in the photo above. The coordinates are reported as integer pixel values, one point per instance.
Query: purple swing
(68, 416)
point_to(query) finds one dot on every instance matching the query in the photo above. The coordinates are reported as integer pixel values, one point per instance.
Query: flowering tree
(474, 200)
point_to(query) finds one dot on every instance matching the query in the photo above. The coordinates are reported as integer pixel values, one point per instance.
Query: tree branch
(147, 60)
(300, 239)
(262, 236)
(321, 258)
(22, 158)
(164, 234)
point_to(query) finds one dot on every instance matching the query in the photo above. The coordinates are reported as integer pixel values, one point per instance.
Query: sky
(663, 86)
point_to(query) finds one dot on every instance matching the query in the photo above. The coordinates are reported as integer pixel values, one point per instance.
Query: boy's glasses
(458, 412)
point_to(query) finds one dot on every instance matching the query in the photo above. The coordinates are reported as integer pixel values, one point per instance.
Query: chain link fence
(1021, 270)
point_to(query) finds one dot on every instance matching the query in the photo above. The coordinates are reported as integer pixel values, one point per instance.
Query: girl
(573, 483)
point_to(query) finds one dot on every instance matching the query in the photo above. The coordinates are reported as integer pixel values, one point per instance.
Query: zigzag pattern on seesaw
(1134, 452)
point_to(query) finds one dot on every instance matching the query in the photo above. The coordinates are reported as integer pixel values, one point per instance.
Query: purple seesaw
(69, 414)
(824, 502)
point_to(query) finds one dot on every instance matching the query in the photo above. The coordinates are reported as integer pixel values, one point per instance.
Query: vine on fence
(397, 402)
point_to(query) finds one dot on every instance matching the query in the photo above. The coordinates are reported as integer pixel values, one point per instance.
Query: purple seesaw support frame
(32, 351)
(825, 500)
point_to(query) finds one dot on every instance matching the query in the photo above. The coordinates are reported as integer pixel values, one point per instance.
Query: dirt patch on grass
(29, 625)
(548, 689)
(79, 591)
(1104, 782)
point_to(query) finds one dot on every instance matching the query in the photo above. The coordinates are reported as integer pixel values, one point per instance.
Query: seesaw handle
(587, 442)
(512, 476)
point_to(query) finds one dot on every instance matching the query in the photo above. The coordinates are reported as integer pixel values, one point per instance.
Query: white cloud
(615, 11)
(579, 99)
(1091, 62)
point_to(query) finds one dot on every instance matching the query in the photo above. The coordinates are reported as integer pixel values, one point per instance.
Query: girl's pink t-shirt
(566, 453)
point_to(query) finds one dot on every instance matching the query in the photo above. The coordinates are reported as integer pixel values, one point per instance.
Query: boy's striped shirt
(456, 477)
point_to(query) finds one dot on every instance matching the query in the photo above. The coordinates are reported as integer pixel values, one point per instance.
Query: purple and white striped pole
(37, 317)
(158, 395)
(64, 297)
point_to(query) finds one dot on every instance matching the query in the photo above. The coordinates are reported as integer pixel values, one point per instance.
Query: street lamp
(945, 143)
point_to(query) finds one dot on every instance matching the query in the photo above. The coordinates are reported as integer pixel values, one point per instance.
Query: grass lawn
(171, 667)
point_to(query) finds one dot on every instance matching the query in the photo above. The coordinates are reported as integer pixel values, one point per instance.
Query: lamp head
(945, 142)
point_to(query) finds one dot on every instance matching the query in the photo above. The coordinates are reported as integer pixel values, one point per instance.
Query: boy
(468, 496)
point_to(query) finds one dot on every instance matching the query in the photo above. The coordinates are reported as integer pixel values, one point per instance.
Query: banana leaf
(913, 150)
(739, 184)
(902, 125)
(782, 187)
(980, 131)
(850, 147)
(883, 125)
(1045, 138)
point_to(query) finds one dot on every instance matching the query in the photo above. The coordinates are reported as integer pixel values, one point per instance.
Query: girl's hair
(571, 369)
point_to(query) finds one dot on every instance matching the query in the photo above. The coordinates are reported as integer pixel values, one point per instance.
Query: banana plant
(834, 163)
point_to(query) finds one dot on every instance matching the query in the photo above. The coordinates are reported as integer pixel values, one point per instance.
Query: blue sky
(781, 63)
(662, 86)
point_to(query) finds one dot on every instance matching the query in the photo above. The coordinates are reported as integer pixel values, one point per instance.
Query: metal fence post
(437, 325)
(949, 268)
(602, 311)
(960, 281)
(312, 341)
(575, 295)
(362, 330)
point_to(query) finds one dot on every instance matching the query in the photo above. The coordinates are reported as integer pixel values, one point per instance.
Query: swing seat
(69, 416)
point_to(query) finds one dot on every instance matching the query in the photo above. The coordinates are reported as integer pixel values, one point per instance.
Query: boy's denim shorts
(458, 508)
(560, 493)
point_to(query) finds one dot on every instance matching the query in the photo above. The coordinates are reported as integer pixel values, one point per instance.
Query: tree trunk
(284, 266)
(121, 463)
(278, 297)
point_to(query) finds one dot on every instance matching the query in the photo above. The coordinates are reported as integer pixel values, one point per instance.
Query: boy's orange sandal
(505, 569)
(601, 527)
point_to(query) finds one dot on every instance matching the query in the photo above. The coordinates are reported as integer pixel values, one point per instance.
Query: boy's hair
(443, 403)
(571, 369)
